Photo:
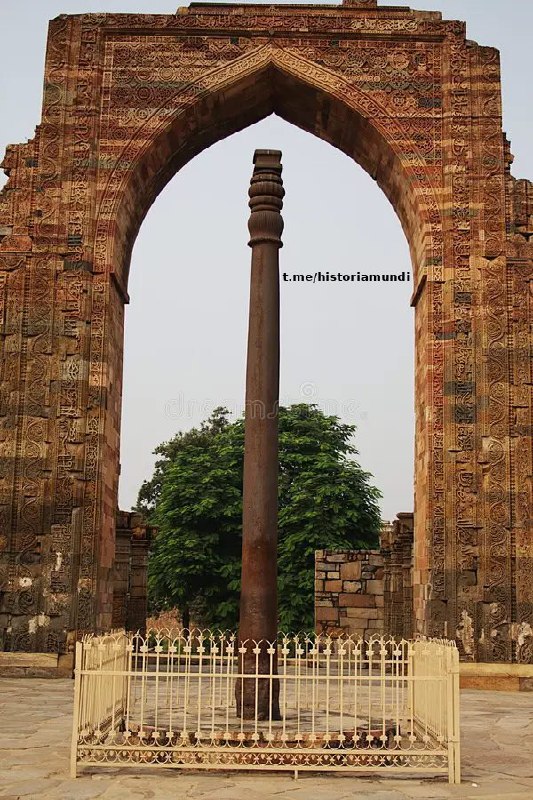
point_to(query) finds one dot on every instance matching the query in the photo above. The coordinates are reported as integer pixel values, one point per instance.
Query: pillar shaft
(258, 609)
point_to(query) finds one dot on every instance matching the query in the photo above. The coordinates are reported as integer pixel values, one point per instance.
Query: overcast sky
(347, 347)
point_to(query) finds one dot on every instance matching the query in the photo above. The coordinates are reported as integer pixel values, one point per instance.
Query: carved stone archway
(128, 100)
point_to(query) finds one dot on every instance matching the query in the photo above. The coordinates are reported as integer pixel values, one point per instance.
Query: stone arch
(266, 81)
(419, 106)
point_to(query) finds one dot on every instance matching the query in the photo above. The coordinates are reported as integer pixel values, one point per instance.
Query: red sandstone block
(363, 613)
(351, 571)
(351, 586)
(350, 600)
(333, 586)
(326, 614)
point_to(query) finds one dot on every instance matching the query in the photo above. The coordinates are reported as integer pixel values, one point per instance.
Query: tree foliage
(150, 491)
(326, 501)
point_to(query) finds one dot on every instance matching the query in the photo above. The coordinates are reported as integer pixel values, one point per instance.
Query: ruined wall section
(129, 98)
(520, 299)
(25, 344)
(51, 430)
(396, 545)
(349, 592)
(130, 571)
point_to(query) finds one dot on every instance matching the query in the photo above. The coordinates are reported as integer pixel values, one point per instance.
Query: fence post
(452, 716)
(411, 650)
(454, 753)
(126, 691)
(76, 712)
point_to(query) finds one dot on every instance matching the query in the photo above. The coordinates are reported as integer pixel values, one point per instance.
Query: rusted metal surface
(258, 610)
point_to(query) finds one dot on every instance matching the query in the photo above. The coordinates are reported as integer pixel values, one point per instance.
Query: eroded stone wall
(128, 100)
(129, 578)
(396, 543)
(349, 592)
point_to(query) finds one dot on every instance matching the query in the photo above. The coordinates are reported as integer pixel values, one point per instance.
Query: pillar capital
(266, 199)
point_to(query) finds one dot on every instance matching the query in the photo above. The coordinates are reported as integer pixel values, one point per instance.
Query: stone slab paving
(35, 730)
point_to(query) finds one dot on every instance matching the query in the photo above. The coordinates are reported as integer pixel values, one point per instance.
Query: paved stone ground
(35, 728)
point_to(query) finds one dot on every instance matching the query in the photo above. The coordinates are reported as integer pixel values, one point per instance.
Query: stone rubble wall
(363, 592)
(349, 592)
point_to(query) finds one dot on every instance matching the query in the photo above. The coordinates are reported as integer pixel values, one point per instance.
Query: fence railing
(344, 704)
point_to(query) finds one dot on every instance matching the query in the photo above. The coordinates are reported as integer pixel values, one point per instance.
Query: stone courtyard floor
(35, 729)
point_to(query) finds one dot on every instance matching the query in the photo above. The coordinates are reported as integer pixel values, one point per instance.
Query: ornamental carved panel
(129, 99)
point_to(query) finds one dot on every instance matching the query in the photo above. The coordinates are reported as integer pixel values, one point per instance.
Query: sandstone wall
(349, 592)
(129, 577)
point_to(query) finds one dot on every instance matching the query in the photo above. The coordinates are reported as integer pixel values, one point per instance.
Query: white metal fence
(168, 700)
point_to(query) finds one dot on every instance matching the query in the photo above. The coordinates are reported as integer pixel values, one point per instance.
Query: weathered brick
(349, 600)
(363, 613)
(351, 586)
(351, 571)
(326, 614)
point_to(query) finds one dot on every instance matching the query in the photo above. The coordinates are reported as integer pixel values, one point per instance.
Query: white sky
(347, 347)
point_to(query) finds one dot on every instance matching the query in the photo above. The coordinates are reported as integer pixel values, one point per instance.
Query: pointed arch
(269, 79)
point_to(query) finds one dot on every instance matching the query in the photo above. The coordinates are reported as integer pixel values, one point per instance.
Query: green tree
(150, 491)
(195, 499)
(325, 502)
